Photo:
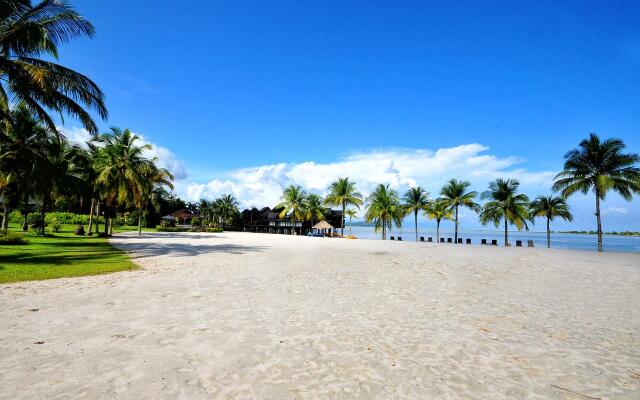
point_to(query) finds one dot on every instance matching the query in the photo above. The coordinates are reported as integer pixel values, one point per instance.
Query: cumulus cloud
(166, 158)
(400, 168)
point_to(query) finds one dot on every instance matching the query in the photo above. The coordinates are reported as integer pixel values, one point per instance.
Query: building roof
(323, 225)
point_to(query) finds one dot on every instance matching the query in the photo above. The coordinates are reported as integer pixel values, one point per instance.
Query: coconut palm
(153, 178)
(506, 204)
(351, 213)
(123, 170)
(29, 31)
(384, 209)
(550, 207)
(455, 195)
(415, 200)
(343, 193)
(227, 208)
(438, 210)
(293, 202)
(22, 139)
(313, 208)
(599, 166)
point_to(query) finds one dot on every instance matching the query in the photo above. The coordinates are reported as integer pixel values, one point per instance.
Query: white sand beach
(257, 316)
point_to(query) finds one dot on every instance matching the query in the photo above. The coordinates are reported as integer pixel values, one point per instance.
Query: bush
(79, 230)
(53, 225)
(15, 216)
(12, 238)
(214, 230)
(68, 218)
(167, 223)
(196, 221)
(34, 220)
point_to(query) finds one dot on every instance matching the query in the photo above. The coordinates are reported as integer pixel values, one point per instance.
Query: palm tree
(438, 210)
(22, 138)
(227, 208)
(294, 201)
(599, 166)
(123, 169)
(415, 200)
(343, 193)
(351, 213)
(384, 209)
(550, 207)
(313, 208)
(29, 31)
(153, 179)
(455, 195)
(505, 203)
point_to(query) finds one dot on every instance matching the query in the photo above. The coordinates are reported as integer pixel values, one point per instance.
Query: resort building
(268, 220)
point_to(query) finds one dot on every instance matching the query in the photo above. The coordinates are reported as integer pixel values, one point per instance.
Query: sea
(575, 241)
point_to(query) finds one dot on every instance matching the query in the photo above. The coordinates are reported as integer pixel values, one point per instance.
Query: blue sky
(296, 91)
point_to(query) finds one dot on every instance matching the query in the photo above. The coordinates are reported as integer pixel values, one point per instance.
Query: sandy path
(254, 316)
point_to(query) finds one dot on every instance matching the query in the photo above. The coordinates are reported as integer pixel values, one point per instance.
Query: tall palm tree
(550, 207)
(505, 203)
(343, 193)
(313, 208)
(22, 139)
(227, 208)
(384, 209)
(294, 201)
(415, 200)
(599, 166)
(153, 178)
(123, 169)
(455, 195)
(29, 31)
(438, 210)
(351, 213)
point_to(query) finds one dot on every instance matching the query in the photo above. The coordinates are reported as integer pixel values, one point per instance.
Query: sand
(257, 316)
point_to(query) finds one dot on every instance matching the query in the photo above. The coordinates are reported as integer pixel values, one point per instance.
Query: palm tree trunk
(42, 214)
(111, 225)
(5, 217)
(98, 217)
(349, 226)
(599, 222)
(384, 232)
(548, 235)
(25, 226)
(455, 240)
(139, 222)
(91, 216)
(438, 231)
(415, 214)
(506, 232)
(342, 220)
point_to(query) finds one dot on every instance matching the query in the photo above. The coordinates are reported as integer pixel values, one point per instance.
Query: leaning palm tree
(351, 213)
(505, 203)
(438, 210)
(384, 209)
(599, 166)
(343, 193)
(313, 208)
(293, 203)
(29, 31)
(415, 200)
(455, 195)
(550, 207)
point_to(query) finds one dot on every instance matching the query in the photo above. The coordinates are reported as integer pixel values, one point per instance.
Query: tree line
(597, 166)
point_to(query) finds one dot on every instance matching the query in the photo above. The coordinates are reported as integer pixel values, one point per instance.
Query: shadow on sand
(152, 248)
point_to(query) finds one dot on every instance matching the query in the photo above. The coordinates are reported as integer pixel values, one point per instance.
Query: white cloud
(615, 211)
(400, 168)
(166, 158)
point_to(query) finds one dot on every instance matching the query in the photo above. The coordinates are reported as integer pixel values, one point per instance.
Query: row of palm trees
(596, 165)
(221, 211)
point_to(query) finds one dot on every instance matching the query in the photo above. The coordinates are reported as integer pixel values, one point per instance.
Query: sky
(248, 97)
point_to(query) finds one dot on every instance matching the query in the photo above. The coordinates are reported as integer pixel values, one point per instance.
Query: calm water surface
(558, 240)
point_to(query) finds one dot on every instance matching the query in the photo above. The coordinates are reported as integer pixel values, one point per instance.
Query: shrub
(196, 221)
(12, 238)
(15, 216)
(53, 225)
(214, 230)
(167, 223)
(79, 230)
(34, 220)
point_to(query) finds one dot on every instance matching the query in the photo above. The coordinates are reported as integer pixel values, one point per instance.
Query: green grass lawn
(62, 255)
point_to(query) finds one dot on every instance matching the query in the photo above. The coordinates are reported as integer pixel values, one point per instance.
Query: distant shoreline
(613, 233)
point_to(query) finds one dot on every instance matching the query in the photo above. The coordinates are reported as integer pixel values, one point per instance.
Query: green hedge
(185, 229)
(12, 238)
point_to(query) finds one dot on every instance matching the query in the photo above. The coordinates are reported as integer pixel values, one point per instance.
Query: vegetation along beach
(319, 200)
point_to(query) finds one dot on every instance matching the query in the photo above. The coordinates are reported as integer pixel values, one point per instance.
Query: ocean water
(558, 240)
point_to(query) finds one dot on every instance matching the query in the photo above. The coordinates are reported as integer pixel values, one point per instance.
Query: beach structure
(183, 216)
(267, 220)
(323, 227)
